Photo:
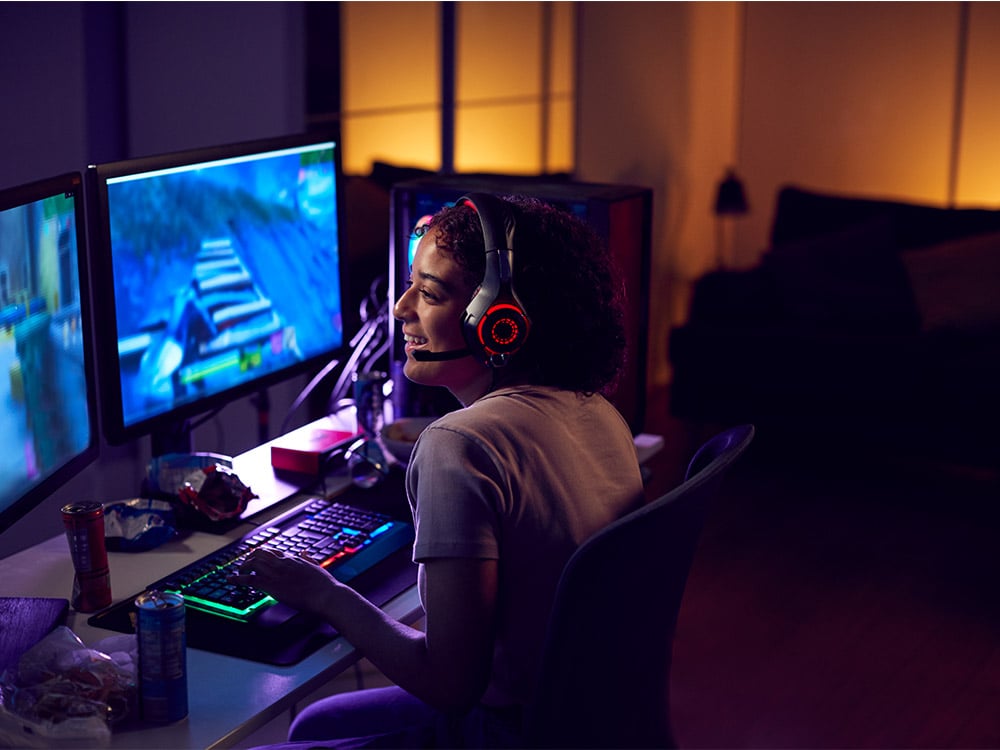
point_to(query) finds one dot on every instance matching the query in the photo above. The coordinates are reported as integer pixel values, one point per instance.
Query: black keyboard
(345, 539)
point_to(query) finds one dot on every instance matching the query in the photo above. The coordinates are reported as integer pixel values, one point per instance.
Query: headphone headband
(495, 324)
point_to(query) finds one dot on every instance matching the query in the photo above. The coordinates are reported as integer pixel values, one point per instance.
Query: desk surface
(228, 698)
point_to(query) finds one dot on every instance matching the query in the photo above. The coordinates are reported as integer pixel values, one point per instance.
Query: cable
(305, 392)
(351, 366)
(383, 348)
(368, 344)
(365, 340)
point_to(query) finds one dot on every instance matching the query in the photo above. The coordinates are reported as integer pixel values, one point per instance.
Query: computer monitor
(217, 273)
(48, 427)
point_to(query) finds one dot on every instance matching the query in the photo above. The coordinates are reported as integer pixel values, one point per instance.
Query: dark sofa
(869, 322)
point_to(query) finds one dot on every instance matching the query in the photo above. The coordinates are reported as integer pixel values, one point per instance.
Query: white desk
(228, 698)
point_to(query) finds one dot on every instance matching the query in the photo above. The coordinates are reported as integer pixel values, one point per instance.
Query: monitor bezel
(175, 421)
(69, 182)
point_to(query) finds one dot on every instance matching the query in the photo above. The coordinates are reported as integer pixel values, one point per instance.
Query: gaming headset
(494, 323)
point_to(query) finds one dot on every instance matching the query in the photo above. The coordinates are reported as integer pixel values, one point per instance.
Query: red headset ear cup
(495, 324)
(503, 329)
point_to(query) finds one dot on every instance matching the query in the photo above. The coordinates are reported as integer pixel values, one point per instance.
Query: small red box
(307, 449)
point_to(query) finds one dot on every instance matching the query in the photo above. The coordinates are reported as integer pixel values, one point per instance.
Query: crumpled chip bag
(63, 693)
(205, 482)
(138, 524)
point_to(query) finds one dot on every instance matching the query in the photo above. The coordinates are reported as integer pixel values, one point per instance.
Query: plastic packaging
(138, 524)
(204, 482)
(64, 694)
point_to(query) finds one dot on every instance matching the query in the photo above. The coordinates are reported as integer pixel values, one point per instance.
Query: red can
(84, 523)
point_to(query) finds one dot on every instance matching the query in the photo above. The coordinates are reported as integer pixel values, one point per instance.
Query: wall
(43, 85)
(852, 98)
(512, 87)
(90, 82)
(978, 178)
(855, 98)
(655, 108)
(207, 73)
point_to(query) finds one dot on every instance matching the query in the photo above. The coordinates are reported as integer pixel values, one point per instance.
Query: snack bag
(64, 694)
(204, 482)
(138, 524)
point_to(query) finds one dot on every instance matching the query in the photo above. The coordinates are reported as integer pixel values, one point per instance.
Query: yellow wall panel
(560, 145)
(390, 55)
(979, 163)
(498, 53)
(563, 47)
(391, 85)
(498, 138)
(411, 139)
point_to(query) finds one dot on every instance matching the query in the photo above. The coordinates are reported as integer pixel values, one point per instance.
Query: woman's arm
(447, 665)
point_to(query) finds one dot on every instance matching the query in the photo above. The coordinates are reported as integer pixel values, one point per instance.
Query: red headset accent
(495, 324)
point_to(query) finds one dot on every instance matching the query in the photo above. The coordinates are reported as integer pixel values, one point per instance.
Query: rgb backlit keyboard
(345, 539)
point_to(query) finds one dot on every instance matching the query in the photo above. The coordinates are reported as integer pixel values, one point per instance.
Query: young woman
(502, 490)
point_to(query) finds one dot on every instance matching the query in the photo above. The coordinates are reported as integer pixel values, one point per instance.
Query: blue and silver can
(160, 626)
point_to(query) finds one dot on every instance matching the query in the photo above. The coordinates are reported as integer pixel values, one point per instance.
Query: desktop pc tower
(621, 214)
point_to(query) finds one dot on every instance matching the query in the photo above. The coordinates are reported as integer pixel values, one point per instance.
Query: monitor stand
(174, 438)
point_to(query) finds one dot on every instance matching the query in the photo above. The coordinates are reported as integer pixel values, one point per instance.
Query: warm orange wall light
(978, 166)
(514, 77)
(390, 74)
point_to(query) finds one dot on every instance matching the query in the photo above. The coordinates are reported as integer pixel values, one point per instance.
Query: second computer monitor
(48, 422)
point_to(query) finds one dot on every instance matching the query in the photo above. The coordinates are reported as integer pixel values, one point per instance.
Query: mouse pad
(283, 644)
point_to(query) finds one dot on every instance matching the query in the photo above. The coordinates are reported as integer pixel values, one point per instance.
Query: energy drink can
(84, 524)
(162, 640)
(369, 401)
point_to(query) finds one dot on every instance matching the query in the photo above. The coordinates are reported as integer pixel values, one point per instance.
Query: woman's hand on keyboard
(291, 580)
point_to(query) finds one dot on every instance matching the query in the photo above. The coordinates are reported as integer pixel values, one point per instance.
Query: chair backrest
(605, 675)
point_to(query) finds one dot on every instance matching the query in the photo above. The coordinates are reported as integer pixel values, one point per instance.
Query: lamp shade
(731, 198)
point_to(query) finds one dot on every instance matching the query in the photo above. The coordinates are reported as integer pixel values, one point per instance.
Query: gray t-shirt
(524, 475)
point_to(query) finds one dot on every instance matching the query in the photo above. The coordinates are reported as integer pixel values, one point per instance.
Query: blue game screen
(225, 272)
(43, 385)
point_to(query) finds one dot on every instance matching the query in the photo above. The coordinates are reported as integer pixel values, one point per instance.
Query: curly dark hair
(568, 283)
